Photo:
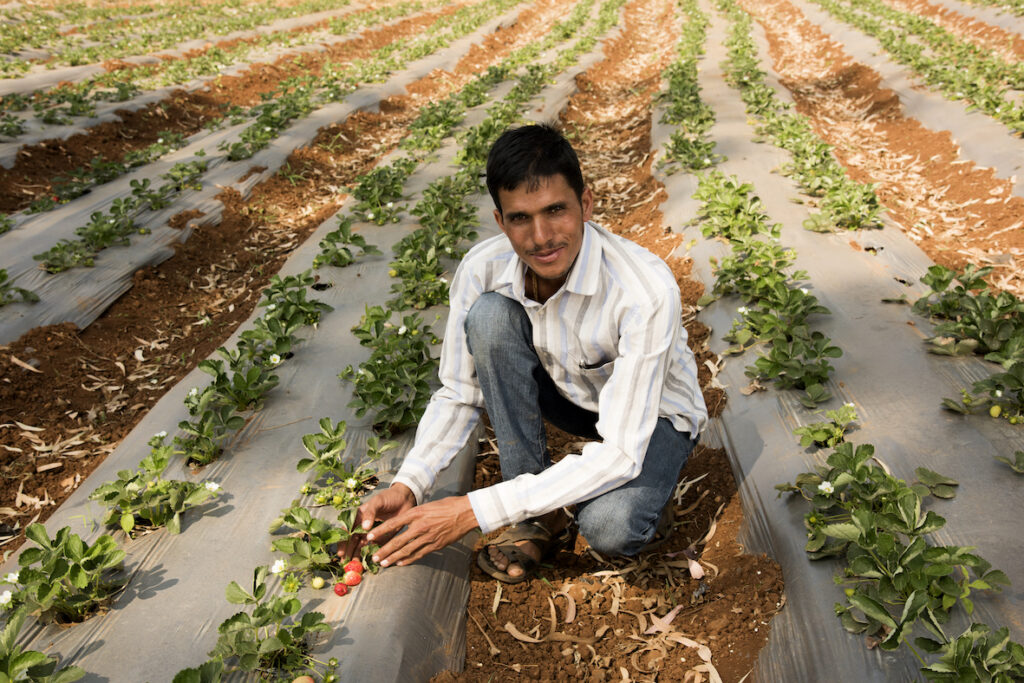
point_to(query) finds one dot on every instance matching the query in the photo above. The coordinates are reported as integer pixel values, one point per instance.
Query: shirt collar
(584, 276)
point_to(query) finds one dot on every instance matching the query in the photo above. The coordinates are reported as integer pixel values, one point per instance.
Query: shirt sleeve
(455, 408)
(628, 408)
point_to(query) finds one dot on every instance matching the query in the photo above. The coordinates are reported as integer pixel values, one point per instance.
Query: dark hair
(529, 154)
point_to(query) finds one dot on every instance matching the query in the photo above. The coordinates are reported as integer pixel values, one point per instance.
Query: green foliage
(18, 665)
(63, 579)
(395, 381)
(9, 293)
(831, 433)
(272, 638)
(143, 499)
(336, 248)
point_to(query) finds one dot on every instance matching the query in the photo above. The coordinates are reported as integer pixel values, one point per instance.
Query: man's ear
(587, 202)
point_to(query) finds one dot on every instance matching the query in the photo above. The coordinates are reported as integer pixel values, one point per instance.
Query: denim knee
(614, 530)
(492, 321)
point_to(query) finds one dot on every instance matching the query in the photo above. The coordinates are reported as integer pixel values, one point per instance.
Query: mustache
(550, 246)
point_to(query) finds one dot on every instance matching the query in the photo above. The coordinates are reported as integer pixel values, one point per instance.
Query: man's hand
(431, 526)
(382, 505)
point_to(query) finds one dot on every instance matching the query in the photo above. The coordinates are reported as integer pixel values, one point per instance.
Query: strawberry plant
(395, 381)
(1016, 464)
(9, 293)
(979, 654)
(18, 665)
(143, 500)
(272, 640)
(420, 282)
(378, 190)
(799, 360)
(309, 547)
(64, 579)
(336, 248)
(286, 301)
(828, 434)
(969, 311)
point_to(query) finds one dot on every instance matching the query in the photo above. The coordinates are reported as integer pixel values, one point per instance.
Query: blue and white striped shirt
(613, 342)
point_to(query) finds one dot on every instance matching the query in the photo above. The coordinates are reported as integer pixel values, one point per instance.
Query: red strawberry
(351, 578)
(340, 588)
(354, 566)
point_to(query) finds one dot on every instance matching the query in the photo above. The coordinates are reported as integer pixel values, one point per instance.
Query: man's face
(545, 226)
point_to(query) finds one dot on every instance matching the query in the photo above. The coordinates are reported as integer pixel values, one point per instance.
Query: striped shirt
(613, 342)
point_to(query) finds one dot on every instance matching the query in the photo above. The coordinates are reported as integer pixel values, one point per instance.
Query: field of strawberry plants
(227, 230)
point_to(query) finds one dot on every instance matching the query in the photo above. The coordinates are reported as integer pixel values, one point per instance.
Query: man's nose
(543, 231)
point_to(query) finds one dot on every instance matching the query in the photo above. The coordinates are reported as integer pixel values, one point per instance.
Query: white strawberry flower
(194, 391)
(12, 577)
(162, 434)
(402, 330)
(369, 214)
(272, 307)
(803, 289)
(391, 205)
(742, 310)
(212, 486)
(275, 359)
(827, 488)
(6, 597)
(278, 567)
(352, 483)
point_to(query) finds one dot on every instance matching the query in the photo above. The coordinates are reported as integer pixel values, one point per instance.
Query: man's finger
(405, 548)
(386, 529)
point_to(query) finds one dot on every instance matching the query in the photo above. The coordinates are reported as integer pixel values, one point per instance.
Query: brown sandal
(534, 531)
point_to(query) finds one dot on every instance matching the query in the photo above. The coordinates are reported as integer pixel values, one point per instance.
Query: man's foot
(520, 548)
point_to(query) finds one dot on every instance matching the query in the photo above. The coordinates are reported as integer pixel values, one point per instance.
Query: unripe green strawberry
(317, 582)
(995, 411)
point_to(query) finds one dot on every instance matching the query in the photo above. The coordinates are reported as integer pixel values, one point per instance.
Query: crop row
(844, 203)
(338, 81)
(61, 104)
(974, 318)
(863, 513)
(958, 68)
(111, 37)
(1015, 6)
(896, 579)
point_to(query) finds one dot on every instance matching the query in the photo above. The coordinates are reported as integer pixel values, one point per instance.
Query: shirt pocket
(596, 373)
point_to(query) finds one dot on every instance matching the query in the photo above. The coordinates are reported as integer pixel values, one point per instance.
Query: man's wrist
(405, 491)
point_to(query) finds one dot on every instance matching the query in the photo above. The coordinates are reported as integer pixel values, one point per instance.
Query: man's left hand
(431, 526)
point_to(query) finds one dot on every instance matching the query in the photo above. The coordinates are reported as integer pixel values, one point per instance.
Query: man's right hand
(381, 506)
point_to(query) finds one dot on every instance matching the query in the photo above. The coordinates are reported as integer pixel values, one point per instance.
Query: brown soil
(616, 602)
(36, 166)
(956, 211)
(94, 385)
(525, 632)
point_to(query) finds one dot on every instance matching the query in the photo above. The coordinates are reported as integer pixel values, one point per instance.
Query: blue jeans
(518, 393)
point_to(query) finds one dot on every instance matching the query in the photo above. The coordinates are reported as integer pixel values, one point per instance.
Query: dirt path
(957, 212)
(615, 603)
(95, 385)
